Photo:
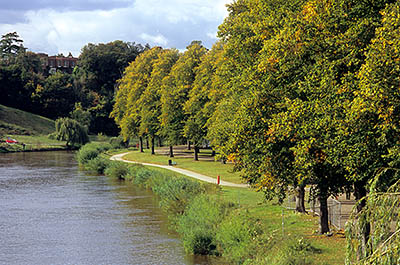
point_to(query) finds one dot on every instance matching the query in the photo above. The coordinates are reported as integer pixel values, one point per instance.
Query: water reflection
(51, 213)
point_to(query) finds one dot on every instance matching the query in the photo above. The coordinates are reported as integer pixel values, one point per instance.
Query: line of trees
(295, 93)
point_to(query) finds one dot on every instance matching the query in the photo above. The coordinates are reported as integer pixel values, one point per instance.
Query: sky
(63, 26)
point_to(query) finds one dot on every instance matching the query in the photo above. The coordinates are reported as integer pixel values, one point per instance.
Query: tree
(380, 210)
(239, 126)
(56, 97)
(198, 106)
(10, 47)
(150, 100)
(99, 68)
(372, 115)
(127, 110)
(175, 91)
(80, 115)
(71, 131)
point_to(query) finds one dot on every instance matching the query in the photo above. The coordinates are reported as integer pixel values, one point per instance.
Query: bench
(171, 163)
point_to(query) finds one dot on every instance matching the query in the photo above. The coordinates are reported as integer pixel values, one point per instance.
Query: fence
(334, 209)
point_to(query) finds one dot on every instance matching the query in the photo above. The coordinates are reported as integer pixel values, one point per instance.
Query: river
(53, 213)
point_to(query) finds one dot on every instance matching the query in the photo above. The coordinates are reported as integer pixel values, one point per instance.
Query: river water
(53, 213)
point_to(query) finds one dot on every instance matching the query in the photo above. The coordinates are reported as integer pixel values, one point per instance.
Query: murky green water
(52, 213)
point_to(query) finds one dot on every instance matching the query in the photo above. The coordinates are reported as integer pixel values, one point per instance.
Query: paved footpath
(185, 172)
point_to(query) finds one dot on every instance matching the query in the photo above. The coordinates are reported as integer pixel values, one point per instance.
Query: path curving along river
(191, 174)
(52, 213)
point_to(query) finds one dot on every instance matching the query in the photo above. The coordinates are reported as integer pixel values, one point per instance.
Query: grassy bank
(31, 143)
(28, 129)
(236, 224)
(18, 122)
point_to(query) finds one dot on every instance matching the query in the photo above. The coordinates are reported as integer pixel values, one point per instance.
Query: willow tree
(71, 131)
(150, 100)
(175, 92)
(126, 110)
(381, 211)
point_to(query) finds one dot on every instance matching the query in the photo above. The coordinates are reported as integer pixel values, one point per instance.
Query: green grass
(331, 250)
(14, 121)
(32, 143)
(205, 167)
(295, 226)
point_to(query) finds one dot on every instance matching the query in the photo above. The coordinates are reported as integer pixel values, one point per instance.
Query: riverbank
(31, 143)
(244, 228)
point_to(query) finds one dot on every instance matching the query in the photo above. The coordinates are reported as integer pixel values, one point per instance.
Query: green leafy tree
(132, 85)
(57, 96)
(150, 100)
(380, 210)
(19, 78)
(80, 115)
(71, 131)
(239, 126)
(198, 107)
(99, 68)
(10, 47)
(175, 92)
(373, 121)
(327, 40)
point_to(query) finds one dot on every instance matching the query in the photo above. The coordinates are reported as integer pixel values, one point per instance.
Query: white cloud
(174, 23)
(157, 39)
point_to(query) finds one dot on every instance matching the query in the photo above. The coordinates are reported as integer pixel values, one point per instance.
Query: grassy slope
(27, 128)
(16, 122)
(269, 213)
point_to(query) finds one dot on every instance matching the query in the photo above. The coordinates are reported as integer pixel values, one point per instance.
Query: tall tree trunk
(147, 143)
(171, 151)
(141, 144)
(152, 145)
(300, 192)
(196, 153)
(189, 147)
(359, 193)
(323, 208)
(159, 142)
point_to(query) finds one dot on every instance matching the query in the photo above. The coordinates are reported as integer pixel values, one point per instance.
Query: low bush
(141, 175)
(298, 252)
(199, 225)
(90, 151)
(117, 169)
(175, 193)
(118, 142)
(236, 236)
(97, 164)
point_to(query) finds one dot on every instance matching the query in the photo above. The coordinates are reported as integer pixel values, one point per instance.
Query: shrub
(118, 142)
(97, 164)
(198, 225)
(235, 237)
(297, 253)
(117, 169)
(101, 137)
(175, 193)
(91, 151)
(86, 154)
(142, 175)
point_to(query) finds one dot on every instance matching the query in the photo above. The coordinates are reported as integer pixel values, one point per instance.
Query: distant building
(52, 64)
